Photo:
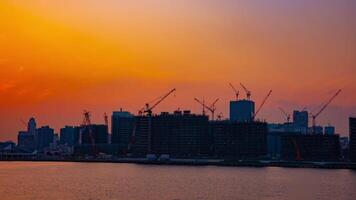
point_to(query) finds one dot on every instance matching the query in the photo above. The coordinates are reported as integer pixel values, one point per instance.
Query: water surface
(59, 180)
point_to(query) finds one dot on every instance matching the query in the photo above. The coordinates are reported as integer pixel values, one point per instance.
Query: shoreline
(205, 162)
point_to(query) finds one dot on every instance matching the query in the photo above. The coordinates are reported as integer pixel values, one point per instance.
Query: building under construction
(180, 134)
(246, 140)
(314, 147)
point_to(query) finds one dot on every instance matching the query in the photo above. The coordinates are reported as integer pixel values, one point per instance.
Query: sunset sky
(60, 57)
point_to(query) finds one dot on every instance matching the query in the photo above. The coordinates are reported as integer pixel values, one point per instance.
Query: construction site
(182, 134)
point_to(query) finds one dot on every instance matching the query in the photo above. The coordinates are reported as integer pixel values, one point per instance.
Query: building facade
(316, 147)
(242, 111)
(247, 140)
(122, 127)
(44, 137)
(69, 135)
(94, 134)
(180, 134)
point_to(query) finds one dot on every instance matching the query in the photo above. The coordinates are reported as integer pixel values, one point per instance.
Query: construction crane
(314, 116)
(235, 91)
(211, 108)
(220, 116)
(248, 92)
(106, 119)
(87, 124)
(285, 114)
(263, 103)
(148, 109)
(298, 155)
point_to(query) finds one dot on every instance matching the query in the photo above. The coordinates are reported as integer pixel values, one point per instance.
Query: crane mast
(248, 92)
(87, 124)
(235, 91)
(211, 108)
(323, 108)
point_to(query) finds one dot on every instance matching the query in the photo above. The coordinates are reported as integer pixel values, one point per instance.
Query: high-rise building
(31, 127)
(122, 126)
(352, 125)
(97, 134)
(180, 134)
(69, 135)
(44, 137)
(26, 141)
(242, 110)
(301, 120)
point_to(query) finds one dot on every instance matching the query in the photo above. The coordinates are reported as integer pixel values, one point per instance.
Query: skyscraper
(352, 125)
(31, 126)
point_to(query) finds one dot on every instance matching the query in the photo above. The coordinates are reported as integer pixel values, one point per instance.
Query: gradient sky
(60, 57)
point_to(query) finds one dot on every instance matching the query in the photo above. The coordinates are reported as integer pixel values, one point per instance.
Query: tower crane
(263, 103)
(314, 116)
(106, 119)
(285, 114)
(148, 108)
(235, 91)
(248, 92)
(211, 108)
(87, 124)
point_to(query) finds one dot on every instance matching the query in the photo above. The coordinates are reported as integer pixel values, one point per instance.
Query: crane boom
(211, 108)
(149, 108)
(248, 92)
(285, 113)
(203, 104)
(263, 103)
(213, 104)
(324, 107)
(235, 91)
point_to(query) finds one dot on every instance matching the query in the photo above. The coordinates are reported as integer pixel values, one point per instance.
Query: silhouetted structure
(44, 137)
(242, 110)
(247, 140)
(69, 135)
(141, 138)
(122, 128)
(97, 134)
(352, 125)
(180, 134)
(301, 120)
(316, 147)
(26, 141)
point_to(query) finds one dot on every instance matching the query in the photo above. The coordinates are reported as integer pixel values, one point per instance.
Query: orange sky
(60, 57)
